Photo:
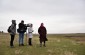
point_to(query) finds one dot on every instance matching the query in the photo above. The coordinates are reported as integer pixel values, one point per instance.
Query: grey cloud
(58, 12)
(46, 7)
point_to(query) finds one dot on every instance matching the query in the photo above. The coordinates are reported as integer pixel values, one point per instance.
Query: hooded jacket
(13, 28)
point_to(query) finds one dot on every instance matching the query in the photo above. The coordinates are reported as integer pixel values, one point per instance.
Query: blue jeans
(21, 37)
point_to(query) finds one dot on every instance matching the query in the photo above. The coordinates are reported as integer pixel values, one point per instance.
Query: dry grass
(56, 45)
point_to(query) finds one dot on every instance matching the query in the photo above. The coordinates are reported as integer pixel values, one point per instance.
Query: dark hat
(13, 20)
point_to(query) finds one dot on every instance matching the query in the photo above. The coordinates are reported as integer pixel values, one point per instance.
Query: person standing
(12, 32)
(42, 34)
(21, 31)
(30, 34)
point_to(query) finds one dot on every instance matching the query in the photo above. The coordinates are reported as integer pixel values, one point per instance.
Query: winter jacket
(30, 34)
(22, 28)
(13, 29)
(42, 32)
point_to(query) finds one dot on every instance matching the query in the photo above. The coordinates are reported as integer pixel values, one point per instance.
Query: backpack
(9, 30)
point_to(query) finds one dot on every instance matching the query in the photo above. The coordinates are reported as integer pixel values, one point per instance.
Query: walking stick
(26, 39)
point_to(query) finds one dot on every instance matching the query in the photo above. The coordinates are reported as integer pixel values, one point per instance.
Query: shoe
(22, 44)
(30, 45)
(11, 46)
(44, 45)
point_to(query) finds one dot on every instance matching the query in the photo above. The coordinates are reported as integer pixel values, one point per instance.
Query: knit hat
(13, 21)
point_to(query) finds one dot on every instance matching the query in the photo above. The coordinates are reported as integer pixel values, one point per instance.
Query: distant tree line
(1, 32)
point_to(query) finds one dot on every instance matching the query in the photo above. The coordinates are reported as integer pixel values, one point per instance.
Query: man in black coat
(21, 30)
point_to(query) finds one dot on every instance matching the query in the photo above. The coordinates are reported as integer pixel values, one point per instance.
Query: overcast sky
(58, 16)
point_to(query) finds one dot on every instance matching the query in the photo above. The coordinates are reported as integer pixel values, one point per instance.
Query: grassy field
(57, 44)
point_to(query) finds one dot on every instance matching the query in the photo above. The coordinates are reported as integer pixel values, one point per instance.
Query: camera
(28, 25)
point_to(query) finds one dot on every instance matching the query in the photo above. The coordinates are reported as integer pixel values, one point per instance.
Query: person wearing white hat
(30, 34)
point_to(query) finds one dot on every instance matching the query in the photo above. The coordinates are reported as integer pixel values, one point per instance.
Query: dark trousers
(41, 43)
(12, 39)
(30, 41)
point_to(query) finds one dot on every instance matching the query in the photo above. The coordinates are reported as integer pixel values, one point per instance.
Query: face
(31, 25)
(42, 24)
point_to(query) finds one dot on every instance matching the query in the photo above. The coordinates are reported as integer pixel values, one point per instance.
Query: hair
(42, 23)
(22, 21)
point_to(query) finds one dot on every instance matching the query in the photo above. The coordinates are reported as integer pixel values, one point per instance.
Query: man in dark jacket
(42, 32)
(22, 30)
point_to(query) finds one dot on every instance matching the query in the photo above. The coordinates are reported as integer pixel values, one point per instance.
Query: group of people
(22, 28)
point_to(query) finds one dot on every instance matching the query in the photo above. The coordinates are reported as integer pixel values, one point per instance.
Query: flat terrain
(57, 44)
